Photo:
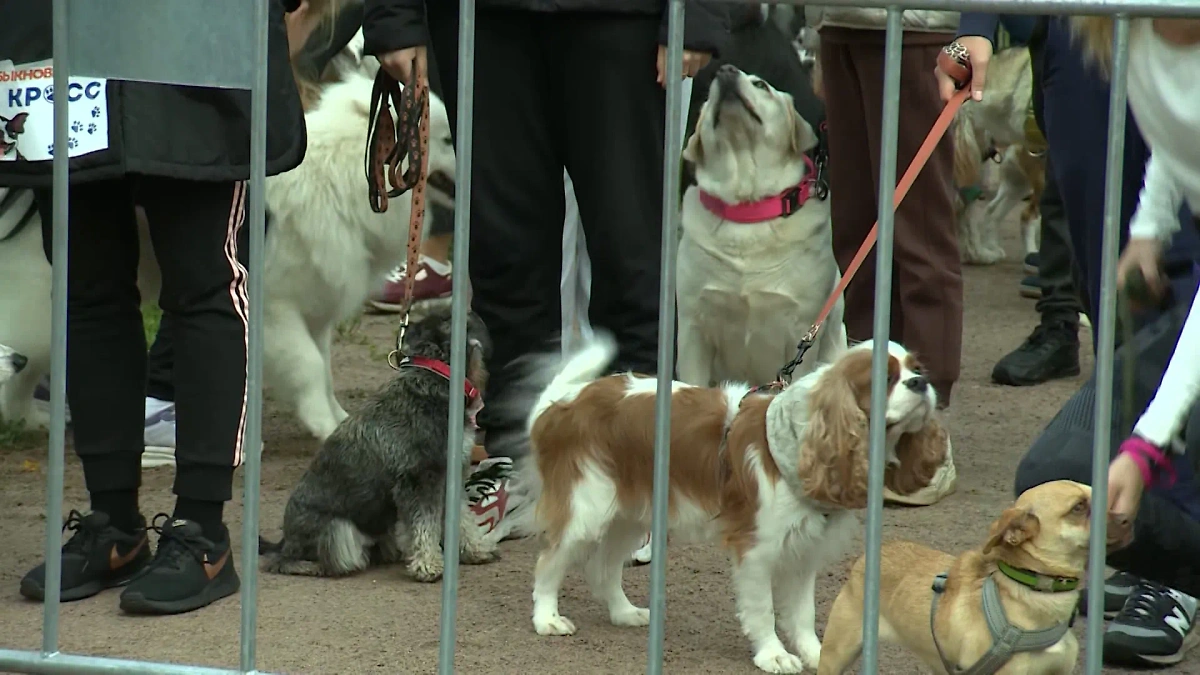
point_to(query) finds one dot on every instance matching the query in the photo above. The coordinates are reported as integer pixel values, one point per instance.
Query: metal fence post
(673, 148)
(1102, 442)
(255, 341)
(883, 319)
(56, 460)
(458, 332)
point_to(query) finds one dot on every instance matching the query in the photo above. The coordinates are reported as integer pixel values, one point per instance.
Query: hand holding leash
(961, 63)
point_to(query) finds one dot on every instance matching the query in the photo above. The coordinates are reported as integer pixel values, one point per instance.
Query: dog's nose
(917, 384)
(18, 362)
(727, 72)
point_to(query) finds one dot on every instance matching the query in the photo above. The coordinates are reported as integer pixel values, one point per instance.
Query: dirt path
(382, 622)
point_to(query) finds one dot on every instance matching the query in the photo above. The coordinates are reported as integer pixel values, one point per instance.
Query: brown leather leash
(954, 62)
(389, 143)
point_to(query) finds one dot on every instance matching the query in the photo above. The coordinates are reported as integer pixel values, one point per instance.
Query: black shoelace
(84, 532)
(1042, 336)
(173, 546)
(1147, 605)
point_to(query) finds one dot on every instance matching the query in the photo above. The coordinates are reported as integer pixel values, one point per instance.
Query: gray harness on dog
(1007, 639)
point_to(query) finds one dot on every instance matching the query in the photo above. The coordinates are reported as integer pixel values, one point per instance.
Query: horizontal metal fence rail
(50, 660)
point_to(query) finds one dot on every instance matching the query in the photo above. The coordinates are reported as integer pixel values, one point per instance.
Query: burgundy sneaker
(427, 286)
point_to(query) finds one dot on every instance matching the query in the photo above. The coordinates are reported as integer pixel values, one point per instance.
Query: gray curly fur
(374, 493)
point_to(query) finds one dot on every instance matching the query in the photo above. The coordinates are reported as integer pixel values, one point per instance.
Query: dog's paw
(555, 624)
(778, 660)
(809, 649)
(632, 616)
(427, 571)
(479, 556)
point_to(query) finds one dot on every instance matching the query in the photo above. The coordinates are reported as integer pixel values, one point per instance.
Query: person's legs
(201, 246)
(1167, 529)
(614, 129)
(927, 293)
(1052, 350)
(106, 369)
(517, 200)
(852, 187)
(1076, 119)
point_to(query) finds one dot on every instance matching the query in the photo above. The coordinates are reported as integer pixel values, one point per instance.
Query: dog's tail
(545, 379)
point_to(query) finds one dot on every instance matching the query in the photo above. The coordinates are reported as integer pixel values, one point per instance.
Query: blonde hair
(323, 12)
(1094, 37)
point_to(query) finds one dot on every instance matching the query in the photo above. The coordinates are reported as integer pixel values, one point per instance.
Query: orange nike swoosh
(212, 569)
(117, 561)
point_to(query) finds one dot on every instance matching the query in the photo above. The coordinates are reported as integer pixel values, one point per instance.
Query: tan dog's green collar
(1036, 581)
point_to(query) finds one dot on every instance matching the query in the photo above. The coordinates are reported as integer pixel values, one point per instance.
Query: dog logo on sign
(13, 127)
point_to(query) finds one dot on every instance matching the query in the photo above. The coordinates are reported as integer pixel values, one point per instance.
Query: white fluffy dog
(756, 256)
(327, 250)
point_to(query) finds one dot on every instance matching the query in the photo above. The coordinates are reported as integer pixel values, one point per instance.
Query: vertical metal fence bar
(252, 477)
(1118, 97)
(672, 150)
(56, 451)
(883, 318)
(458, 333)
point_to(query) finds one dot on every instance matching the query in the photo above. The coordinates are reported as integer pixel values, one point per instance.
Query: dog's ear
(1013, 528)
(802, 137)
(694, 150)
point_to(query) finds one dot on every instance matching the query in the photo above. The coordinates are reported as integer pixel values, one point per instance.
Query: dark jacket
(397, 24)
(190, 133)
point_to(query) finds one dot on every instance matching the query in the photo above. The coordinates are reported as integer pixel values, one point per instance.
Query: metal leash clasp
(396, 357)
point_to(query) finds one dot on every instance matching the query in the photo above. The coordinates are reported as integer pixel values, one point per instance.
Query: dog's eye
(761, 84)
(1080, 507)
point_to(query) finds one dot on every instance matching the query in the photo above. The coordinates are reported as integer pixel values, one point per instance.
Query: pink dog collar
(1148, 458)
(776, 206)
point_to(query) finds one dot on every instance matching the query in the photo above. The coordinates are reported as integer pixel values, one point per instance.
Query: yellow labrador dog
(951, 612)
(756, 255)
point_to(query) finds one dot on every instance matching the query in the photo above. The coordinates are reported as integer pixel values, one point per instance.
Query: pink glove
(1148, 458)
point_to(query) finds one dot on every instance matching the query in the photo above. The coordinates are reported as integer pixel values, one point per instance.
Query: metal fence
(108, 38)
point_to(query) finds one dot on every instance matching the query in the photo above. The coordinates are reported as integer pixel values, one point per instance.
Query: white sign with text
(27, 113)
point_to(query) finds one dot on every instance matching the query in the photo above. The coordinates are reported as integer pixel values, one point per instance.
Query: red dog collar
(441, 368)
(776, 206)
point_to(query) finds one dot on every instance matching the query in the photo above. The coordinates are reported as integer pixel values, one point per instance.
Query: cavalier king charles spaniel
(774, 477)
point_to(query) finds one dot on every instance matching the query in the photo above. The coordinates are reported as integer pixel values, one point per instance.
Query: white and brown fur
(774, 478)
(998, 121)
(1045, 531)
(748, 292)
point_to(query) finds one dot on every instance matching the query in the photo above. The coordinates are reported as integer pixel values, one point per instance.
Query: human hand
(1125, 486)
(1141, 256)
(979, 54)
(399, 63)
(692, 63)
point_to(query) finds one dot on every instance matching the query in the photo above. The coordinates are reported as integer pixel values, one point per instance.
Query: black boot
(1049, 353)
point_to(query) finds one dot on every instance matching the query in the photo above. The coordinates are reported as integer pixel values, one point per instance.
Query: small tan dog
(1033, 560)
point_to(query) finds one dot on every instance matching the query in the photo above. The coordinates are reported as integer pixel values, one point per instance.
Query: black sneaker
(1031, 263)
(1117, 590)
(1031, 287)
(1154, 628)
(188, 572)
(1050, 352)
(96, 557)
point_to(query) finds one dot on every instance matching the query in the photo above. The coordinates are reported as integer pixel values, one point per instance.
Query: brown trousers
(927, 287)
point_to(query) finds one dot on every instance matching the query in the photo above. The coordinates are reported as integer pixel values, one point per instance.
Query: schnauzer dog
(375, 492)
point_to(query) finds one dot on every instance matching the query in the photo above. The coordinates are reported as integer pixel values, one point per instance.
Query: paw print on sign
(72, 143)
(50, 149)
(96, 112)
(77, 126)
(91, 128)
